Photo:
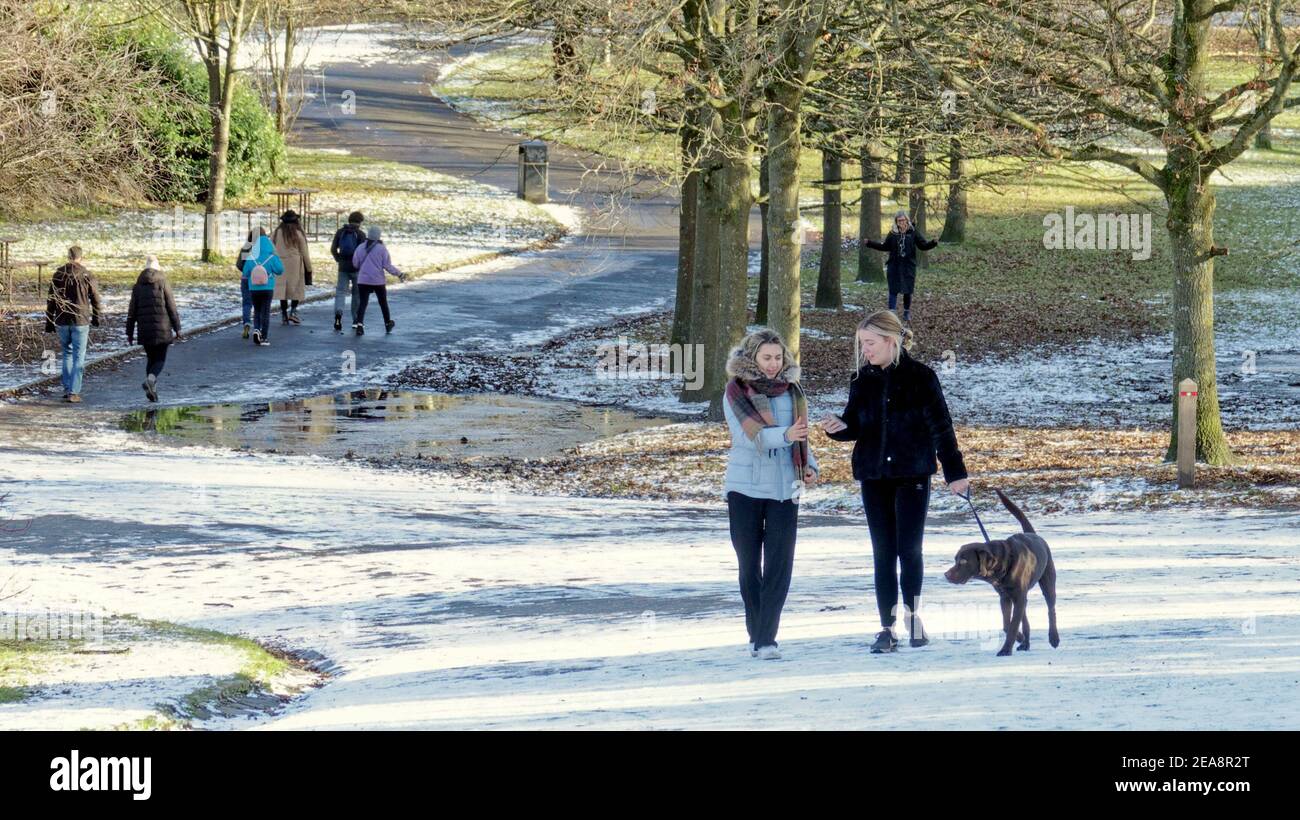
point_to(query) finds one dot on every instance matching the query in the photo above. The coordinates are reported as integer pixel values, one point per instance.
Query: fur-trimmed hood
(746, 369)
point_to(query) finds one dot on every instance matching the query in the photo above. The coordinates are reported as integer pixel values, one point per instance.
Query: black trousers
(896, 510)
(763, 535)
(157, 358)
(381, 293)
(262, 312)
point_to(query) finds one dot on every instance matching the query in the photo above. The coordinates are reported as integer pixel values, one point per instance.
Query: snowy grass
(136, 674)
(583, 613)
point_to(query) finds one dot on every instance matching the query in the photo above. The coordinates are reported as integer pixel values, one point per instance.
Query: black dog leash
(983, 531)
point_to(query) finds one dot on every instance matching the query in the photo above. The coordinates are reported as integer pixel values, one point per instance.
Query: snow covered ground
(447, 607)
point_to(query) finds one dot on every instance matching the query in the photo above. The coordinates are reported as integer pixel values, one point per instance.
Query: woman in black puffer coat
(897, 415)
(152, 318)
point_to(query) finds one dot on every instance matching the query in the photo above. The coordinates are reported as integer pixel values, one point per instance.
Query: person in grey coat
(768, 466)
(152, 319)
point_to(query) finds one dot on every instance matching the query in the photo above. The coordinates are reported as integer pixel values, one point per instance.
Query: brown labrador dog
(1012, 566)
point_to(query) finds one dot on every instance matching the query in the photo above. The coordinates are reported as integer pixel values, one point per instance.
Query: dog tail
(1014, 510)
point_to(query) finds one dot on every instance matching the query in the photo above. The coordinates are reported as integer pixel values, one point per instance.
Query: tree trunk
(218, 114)
(760, 309)
(733, 264)
(706, 292)
(829, 293)
(686, 222)
(916, 203)
(1191, 235)
(870, 266)
(900, 173)
(282, 110)
(785, 237)
(954, 220)
(1264, 138)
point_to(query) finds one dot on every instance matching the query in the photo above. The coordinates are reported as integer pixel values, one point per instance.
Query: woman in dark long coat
(153, 321)
(902, 243)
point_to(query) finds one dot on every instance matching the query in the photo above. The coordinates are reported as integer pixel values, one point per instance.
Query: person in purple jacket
(372, 261)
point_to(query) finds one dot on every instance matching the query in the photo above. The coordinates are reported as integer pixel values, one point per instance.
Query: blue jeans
(247, 300)
(347, 283)
(72, 340)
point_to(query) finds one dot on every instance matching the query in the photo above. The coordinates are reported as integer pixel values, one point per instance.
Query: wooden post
(1186, 433)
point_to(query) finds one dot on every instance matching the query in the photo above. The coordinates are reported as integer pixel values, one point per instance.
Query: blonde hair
(743, 361)
(887, 324)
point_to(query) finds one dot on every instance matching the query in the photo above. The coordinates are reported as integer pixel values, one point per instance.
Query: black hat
(289, 216)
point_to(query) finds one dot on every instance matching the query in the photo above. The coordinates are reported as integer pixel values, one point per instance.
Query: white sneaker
(769, 653)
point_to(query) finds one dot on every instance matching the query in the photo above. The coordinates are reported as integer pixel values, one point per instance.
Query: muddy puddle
(377, 422)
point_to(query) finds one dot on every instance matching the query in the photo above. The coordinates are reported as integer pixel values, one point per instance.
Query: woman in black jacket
(153, 313)
(901, 244)
(898, 418)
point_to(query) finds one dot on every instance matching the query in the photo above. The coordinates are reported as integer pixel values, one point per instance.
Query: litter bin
(532, 171)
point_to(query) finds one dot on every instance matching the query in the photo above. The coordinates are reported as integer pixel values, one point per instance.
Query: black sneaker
(257, 337)
(360, 330)
(885, 642)
(916, 635)
(338, 322)
(389, 325)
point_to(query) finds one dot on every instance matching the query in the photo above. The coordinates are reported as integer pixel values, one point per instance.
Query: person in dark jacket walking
(897, 416)
(346, 240)
(902, 243)
(152, 319)
(72, 308)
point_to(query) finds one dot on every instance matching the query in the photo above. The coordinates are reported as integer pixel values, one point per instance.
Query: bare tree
(1125, 81)
(217, 28)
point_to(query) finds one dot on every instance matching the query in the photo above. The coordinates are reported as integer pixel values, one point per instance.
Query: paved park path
(623, 259)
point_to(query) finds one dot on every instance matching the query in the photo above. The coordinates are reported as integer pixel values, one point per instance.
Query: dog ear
(995, 557)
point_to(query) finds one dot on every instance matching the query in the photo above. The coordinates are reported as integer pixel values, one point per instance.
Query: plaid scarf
(751, 401)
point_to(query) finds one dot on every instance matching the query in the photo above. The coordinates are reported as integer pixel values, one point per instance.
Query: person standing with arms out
(767, 468)
(153, 313)
(901, 244)
(897, 415)
(72, 308)
(261, 268)
(291, 246)
(372, 261)
(346, 240)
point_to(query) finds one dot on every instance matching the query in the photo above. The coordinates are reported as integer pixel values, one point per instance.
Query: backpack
(258, 277)
(348, 242)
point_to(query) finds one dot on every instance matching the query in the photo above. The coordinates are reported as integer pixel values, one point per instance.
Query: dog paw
(1024, 647)
(1004, 651)
(1054, 640)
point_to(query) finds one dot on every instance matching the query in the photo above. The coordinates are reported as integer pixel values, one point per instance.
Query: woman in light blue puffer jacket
(767, 468)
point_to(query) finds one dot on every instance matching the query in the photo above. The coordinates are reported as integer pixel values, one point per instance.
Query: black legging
(157, 358)
(381, 294)
(763, 535)
(285, 305)
(893, 300)
(896, 510)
